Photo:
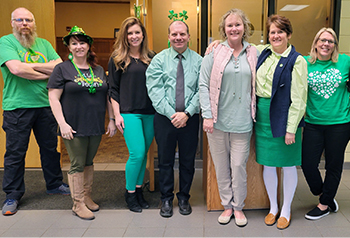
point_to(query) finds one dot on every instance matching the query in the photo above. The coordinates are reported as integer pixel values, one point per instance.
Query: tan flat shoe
(283, 223)
(270, 219)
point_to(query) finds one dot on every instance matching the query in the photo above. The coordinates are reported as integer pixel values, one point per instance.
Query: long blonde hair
(313, 52)
(121, 50)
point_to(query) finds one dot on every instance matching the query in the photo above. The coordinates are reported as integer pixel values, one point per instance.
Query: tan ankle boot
(88, 179)
(76, 185)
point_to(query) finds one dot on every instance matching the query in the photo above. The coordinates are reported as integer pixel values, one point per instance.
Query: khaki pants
(230, 153)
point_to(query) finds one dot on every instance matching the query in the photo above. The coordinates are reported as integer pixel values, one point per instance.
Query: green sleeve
(298, 94)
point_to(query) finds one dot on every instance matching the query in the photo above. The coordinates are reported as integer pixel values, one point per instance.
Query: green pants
(138, 135)
(81, 151)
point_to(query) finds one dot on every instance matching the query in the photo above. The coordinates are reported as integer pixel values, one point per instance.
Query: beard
(26, 40)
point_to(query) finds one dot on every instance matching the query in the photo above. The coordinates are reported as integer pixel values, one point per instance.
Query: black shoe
(316, 213)
(131, 201)
(141, 200)
(333, 207)
(184, 207)
(167, 208)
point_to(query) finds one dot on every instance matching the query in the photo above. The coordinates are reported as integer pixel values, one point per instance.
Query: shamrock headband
(175, 17)
(76, 31)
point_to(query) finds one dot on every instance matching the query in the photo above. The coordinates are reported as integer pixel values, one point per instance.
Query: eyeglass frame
(326, 40)
(21, 20)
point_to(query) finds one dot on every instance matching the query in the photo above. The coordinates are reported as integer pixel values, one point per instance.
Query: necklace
(92, 89)
(136, 59)
(34, 57)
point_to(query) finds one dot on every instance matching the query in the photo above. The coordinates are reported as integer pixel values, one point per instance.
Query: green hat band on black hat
(76, 31)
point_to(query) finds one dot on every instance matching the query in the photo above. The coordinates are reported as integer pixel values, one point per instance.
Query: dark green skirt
(273, 151)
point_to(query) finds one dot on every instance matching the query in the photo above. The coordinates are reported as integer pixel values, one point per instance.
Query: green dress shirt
(161, 81)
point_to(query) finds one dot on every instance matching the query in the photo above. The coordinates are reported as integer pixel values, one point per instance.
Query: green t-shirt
(328, 100)
(20, 92)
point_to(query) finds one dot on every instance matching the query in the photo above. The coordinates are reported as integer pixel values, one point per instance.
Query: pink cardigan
(222, 56)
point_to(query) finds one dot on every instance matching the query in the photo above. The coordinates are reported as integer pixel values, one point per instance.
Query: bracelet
(112, 119)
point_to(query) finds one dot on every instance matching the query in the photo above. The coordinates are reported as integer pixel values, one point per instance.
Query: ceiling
(96, 1)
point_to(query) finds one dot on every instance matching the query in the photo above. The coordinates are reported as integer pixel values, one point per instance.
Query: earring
(70, 56)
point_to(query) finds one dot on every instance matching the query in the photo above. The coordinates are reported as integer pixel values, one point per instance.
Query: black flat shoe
(184, 207)
(167, 209)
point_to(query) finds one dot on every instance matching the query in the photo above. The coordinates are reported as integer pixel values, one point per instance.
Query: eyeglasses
(21, 20)
(326, 40)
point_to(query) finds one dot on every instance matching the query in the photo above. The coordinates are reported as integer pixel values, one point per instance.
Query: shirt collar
(174, 53)
(285, 53)
(245, 45)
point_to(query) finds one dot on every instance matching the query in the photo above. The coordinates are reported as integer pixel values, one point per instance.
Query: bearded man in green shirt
(26, 63)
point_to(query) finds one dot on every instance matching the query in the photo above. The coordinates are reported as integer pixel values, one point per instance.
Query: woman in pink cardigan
(227, 99)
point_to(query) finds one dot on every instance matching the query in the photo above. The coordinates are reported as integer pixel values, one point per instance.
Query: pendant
(34, 58)
(92, 89)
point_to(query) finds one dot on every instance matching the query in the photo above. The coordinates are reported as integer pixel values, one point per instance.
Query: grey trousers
(230, 152)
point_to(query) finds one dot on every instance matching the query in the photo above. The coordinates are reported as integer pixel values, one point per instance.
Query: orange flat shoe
(283, 223)
(270, 219)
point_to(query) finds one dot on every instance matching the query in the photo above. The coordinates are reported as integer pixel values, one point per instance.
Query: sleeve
(51, 53)
(56, 79)
(298, 95)
(260, 48)
(193, 105)
(114, 77)
(8, 51)
(155, 83)
(204, 84)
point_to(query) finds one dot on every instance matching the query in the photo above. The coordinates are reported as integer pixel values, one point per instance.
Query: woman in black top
(78, 99)
(132, 107)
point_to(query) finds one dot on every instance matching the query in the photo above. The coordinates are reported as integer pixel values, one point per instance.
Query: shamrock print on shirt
(324, 83)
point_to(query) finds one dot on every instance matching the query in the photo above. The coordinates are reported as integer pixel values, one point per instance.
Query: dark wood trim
(336, 16)
(204, 26)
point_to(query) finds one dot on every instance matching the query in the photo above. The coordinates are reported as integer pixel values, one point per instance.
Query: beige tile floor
(201, 223)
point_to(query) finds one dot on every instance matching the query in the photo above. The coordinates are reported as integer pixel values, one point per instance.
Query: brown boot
(88, 179)
(76, 185)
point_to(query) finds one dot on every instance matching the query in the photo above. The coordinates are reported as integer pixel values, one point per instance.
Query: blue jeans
(138, 135)
(18, 125)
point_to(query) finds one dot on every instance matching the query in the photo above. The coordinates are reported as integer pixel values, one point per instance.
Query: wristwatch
(187, 114)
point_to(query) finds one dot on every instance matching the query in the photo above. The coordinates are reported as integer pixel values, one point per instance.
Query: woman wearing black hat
(78, 99)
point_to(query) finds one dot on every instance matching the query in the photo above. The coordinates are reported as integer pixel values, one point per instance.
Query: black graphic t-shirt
(83, 111)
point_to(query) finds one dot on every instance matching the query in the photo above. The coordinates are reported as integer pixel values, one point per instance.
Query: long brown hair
(120, 54)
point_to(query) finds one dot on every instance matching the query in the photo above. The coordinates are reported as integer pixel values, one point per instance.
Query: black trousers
(17, 125)
(333, 140)
(167, 136)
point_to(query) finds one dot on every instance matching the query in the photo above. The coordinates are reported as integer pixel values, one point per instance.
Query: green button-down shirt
(161, 81)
